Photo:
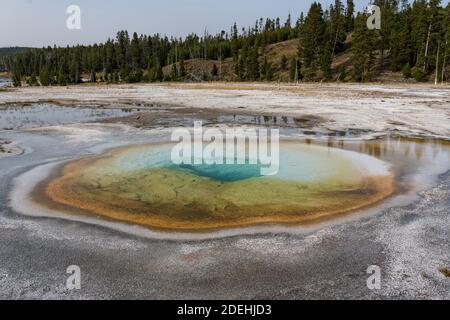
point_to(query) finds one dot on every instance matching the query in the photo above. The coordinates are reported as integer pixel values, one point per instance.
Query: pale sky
(38, 23)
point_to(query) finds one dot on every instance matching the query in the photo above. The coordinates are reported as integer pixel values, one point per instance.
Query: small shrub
(419, 75)
(406, 71)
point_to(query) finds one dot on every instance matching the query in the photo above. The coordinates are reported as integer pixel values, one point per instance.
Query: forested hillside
(6, 53)
(11, 51)
(324, 44)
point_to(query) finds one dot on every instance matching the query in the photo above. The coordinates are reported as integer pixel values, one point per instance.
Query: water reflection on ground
(43, 115)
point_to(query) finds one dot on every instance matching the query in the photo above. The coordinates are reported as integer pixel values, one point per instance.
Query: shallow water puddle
(4, 82)
(42, 115)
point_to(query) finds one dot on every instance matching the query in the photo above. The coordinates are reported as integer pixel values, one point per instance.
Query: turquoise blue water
(160, 158)
(297, 162)
(223, 172)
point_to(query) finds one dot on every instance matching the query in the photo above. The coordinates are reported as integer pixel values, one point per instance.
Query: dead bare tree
(426, 48)
(444, 62)
(436, 78)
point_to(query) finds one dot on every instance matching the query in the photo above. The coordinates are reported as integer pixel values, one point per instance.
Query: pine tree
(93, 77)
(435, 34)
(115, 77)
(61, 79)
(419, 32)
(326, 60)
(406, 71)
(313, 45)
(388, 9)
(337, 28)
(425, 27)
(44, 77)
(235, 42)
(401, 51)
(349, 16)
(182, 69)
(446, 44)
(267, 71)
(159, 75)
(17, 79)
(253, 70)
(362, 50)
(214, 72)
(174, 72)
(135, 51)
(240, 69)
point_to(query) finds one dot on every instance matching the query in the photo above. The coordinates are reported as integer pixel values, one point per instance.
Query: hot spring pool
(141, 185)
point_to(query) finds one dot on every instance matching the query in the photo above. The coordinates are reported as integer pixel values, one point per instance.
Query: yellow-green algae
(137, 185)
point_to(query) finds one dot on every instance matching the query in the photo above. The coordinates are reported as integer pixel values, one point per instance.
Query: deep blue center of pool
(223, 172)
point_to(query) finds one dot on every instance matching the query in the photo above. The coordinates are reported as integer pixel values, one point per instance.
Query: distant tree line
(414, 39)
(6, 53)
